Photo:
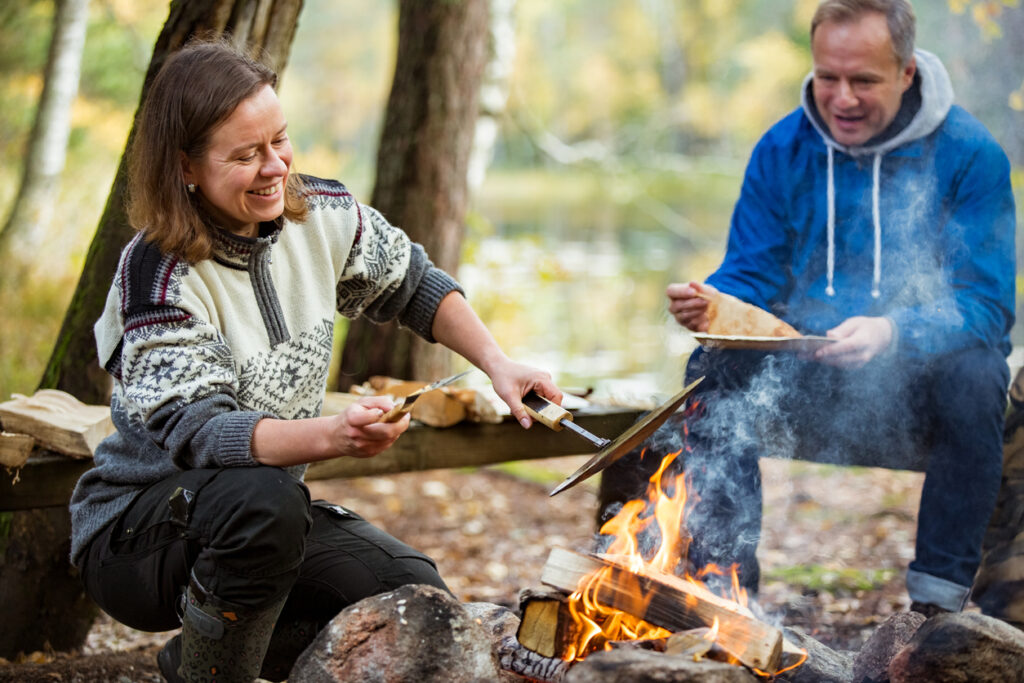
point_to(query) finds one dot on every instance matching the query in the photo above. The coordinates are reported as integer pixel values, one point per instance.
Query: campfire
(632, 596)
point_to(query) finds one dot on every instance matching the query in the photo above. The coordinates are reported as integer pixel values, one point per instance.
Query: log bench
(48, 478)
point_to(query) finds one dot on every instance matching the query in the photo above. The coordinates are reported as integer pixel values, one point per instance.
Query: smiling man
(859, 77)
(880, 214)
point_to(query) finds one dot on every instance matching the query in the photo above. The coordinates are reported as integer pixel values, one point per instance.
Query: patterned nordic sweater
(199, 353)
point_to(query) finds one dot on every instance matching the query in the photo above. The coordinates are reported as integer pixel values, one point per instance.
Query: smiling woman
(240, 178)
(217, 333)
(229, 151)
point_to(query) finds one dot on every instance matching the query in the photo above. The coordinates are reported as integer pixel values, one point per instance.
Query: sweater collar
(236, 252)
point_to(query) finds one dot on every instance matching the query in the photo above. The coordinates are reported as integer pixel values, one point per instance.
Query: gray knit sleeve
(207, 432)
(414, 303)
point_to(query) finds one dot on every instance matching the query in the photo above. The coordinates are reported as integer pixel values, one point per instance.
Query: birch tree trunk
(494, 90)
(268, 24)
(422, 163)
(25, 229)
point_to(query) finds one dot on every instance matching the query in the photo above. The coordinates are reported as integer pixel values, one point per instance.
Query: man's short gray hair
(899, 15)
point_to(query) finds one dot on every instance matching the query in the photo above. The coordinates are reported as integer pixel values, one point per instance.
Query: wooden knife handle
(396, 413)
(544, 411)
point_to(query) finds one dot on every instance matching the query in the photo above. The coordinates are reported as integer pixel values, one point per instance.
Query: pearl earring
(191, 188)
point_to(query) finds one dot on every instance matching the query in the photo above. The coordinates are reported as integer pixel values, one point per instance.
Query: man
(881, 215)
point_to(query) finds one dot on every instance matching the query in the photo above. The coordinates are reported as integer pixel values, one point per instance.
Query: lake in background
(568, 270)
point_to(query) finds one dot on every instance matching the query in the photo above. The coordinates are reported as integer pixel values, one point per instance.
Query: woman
(217, 332)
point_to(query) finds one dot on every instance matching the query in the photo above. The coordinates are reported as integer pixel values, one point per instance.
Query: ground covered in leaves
(835, 547)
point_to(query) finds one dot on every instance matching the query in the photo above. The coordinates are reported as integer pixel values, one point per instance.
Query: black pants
(249, 535)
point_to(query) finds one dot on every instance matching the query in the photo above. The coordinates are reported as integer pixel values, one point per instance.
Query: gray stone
(823, 665)
(497, 620)
(501, 624)
(644, 666)
(872, 662)
(951, 648)
(415, 633)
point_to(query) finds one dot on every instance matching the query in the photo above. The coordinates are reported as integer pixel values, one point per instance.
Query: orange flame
(712, 634)
(659, 516)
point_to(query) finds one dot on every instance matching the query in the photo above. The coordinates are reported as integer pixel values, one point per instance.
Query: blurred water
(577, 286)
(579, 291)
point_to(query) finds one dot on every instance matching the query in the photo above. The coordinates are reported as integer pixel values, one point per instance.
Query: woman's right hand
(356, 431)
(689, 310)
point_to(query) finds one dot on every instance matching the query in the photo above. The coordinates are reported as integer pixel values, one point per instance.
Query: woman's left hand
(513, 380)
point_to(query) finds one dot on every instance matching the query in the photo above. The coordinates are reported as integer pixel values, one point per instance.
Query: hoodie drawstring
(830, 290)
(876, 279)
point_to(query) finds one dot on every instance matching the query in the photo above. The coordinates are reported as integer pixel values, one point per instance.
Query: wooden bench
(48, 478)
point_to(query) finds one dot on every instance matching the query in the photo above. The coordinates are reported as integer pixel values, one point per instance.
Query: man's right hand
(689, 310)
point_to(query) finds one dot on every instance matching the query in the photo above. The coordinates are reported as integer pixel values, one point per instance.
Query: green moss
(831, 579)
(532, 471)
(6, 520)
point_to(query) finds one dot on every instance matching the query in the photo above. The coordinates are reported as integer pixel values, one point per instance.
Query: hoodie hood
(933, 89)
(925, 106)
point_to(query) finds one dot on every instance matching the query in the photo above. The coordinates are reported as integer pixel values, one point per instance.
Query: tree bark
(24, 232)
(40, 591)
(422, 162)
(267, 24)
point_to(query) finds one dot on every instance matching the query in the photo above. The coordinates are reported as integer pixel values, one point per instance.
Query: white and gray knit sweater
(201, 352)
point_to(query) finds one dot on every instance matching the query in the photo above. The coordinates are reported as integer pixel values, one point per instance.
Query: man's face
(858, 82)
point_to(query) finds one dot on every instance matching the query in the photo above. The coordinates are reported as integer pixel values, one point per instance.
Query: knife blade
(556, 417)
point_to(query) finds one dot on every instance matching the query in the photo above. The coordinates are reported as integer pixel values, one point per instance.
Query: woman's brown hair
(195, 91)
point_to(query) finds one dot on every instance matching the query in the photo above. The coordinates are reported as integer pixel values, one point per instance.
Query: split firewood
(481, 405)
(441, 408)
(15, 449)
(337, 401)
(694, 643)
(58, 421)
(651, 644)
(729, 316)
(671, 603)
(546, 626)
(437, 408)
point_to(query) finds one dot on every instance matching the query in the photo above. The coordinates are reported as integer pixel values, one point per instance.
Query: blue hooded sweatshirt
(917, 225)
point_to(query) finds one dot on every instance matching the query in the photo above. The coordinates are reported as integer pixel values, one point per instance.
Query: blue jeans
(947, 412)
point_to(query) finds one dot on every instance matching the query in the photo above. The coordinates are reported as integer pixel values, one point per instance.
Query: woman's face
(240, 179)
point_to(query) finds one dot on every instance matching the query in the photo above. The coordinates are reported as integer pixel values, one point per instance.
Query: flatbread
(731, 317)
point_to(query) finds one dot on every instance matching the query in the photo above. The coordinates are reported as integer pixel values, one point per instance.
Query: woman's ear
(187, 176)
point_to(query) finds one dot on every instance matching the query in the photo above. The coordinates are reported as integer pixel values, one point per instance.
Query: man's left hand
(859, 339)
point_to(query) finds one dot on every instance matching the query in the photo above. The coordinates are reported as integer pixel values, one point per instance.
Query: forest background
(623, 128)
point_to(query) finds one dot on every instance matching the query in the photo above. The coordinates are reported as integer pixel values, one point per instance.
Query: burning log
(669, 602)
(515, 657)
(693, 643)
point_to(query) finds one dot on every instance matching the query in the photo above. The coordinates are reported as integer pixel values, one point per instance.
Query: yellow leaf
(1017, 99)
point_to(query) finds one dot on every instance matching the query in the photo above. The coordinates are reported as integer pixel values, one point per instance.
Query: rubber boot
(219, 642)
(291, 637)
